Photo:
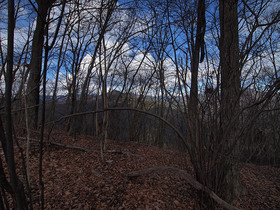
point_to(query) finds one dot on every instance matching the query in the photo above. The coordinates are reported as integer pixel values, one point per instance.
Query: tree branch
(128, 109)
(193, 182)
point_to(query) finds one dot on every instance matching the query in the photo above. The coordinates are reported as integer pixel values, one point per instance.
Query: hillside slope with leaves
(75, 177)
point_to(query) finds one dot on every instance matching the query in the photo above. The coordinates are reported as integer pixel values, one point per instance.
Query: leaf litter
(76, 179)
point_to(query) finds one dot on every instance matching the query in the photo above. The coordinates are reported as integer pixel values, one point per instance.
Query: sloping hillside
(76, 178)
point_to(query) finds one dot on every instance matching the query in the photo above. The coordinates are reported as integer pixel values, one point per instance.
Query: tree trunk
(194, 122)
(33, 85)
(198, 47)
(103, 29)
(230, 92)
(15, 183)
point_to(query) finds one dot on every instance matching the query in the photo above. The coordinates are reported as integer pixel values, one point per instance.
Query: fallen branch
(69, 147)
(97, 173)
(189, 179)
(125, 152)
(60, 145)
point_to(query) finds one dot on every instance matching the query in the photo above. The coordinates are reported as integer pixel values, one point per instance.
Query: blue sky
(27, 18)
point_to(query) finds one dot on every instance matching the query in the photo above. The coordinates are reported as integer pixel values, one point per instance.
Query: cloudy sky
(128, 51)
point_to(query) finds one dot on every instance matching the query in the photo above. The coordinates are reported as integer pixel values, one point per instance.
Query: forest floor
(77, 179)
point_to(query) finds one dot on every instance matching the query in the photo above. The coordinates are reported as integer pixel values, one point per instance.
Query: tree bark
(33, 85)
(193, 109)
(198, 48)
(230, 93)
(15, 183)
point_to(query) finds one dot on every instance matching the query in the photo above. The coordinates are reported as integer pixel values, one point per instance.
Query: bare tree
(33, 86)
(47, 47)
(230, 95)
(80, 38)
(15, 187)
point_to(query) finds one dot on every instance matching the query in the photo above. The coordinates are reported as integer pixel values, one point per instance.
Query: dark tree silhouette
(15, 187)
(33, 86)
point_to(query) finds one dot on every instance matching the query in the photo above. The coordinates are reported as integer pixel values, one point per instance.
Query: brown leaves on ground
(75, 179)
